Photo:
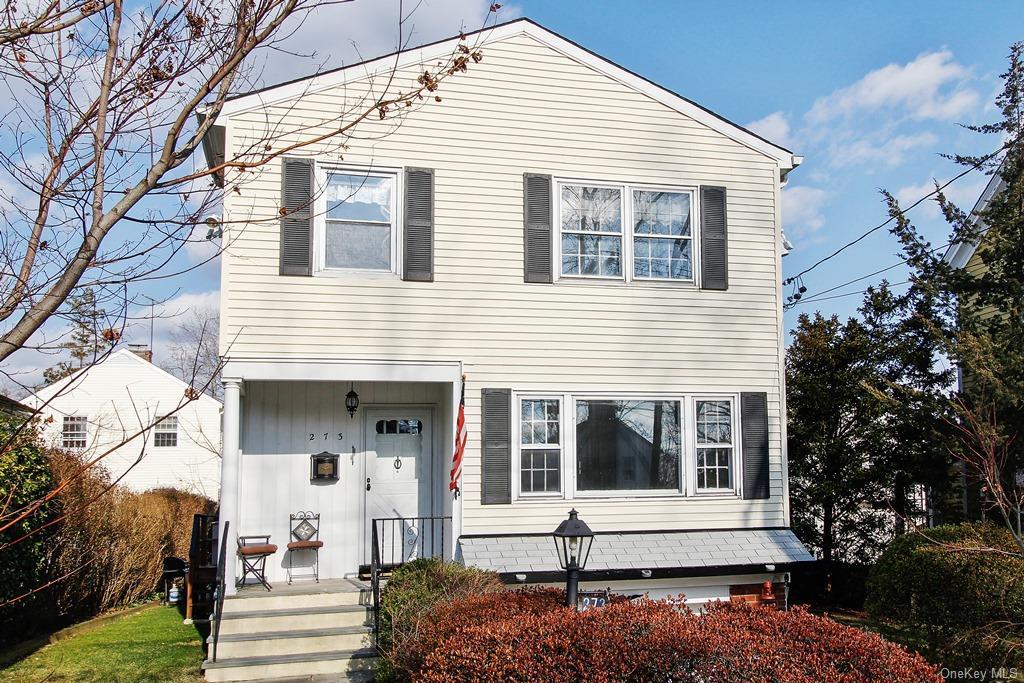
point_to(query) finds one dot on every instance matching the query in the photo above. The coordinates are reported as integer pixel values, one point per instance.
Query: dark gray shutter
(754, 418)
(419, 225)
(537, 227)
(714, 242)
(496, 418)
(297, 216)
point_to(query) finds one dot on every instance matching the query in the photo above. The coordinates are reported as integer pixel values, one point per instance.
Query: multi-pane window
(662, 235)
(75, 431)
(714, 445)
(591, 231)
(165, 433)
(540, 451)
(628, 445)
(359, 231)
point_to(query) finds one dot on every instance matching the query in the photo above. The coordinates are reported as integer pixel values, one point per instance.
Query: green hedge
(413, 590)
(967, 601)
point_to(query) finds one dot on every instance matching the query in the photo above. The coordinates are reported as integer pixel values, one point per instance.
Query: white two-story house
(592, 260)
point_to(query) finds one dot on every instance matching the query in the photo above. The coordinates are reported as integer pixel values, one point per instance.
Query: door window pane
(628, 445)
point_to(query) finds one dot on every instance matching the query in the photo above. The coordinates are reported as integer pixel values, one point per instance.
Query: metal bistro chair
(305, 528)
(254, 551)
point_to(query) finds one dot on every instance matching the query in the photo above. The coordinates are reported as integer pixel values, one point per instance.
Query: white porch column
(229, 479)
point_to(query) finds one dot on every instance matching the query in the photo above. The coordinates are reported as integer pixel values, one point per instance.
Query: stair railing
(218, 609)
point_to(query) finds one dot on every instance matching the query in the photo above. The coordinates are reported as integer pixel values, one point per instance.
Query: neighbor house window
(628, 445)
(75, 431)
(714, 445)
(662, 235)
(165, 433)
(591, 231)
(540, 451)
(360, 222)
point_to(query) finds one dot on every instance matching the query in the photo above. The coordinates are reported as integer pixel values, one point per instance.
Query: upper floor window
(165, 433)
(658, 246)
(662, 235)
(591, 231)
(359, 231)
(75, 431)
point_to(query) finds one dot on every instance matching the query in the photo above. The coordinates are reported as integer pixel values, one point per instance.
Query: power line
(840, 296)
(973, 167)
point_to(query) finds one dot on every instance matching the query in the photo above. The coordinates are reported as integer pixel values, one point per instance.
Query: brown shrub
(529, 636)
(113, 541)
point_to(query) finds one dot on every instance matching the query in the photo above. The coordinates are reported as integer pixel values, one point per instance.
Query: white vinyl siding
(526, 108)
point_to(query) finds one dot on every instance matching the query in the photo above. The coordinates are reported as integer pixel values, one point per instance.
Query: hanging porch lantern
(352, 401)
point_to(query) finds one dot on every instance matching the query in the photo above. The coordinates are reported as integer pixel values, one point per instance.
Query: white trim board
(330, 370)
(786, 159)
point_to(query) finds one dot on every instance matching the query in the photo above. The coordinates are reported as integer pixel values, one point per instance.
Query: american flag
(460, 444)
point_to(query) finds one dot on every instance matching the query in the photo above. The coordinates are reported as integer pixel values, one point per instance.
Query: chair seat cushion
(302, 545)
(268, 549)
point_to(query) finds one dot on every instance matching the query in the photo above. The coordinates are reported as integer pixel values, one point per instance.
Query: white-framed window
(625, 445)
(628, 446)
(590, 219)
(165, 432)
(75, 431)
(715, 429)
(663, 235)
(540, 446)
(659, 245)
(357, 229)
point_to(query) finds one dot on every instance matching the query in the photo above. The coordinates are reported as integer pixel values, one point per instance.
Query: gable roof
(786, 159)
(959, 254)
(49, 390)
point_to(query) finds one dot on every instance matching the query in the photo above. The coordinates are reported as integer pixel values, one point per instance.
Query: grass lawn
(148, 645)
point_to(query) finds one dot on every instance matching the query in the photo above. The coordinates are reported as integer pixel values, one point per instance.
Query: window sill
(357, 275)
(619, 282)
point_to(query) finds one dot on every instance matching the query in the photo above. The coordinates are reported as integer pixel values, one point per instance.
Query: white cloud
(339, 33)
(932, 86)
(889, 151)
(774, 127)
(802, 210)
(167, 317)
(964, 193)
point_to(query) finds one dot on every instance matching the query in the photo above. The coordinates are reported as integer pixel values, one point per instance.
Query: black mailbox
(323, 466)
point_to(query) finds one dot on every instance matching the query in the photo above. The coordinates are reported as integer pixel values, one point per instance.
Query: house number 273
(312, 436)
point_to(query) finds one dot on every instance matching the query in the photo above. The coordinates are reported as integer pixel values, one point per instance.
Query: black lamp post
(573, 539)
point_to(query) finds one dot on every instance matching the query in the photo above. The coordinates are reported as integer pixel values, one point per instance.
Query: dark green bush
(961, 586)
(413, 590)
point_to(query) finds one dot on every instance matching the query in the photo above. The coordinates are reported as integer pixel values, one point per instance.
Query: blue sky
(869, 92)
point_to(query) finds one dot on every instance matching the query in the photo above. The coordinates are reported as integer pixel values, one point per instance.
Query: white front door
(399, 462)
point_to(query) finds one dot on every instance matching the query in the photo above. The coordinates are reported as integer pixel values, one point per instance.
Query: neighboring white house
(102, 406)
(593, 259)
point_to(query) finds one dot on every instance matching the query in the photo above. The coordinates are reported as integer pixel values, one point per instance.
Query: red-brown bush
(529, 636)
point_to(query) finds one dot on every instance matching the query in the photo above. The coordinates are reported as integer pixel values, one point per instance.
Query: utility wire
(973, 167)
(840, 296)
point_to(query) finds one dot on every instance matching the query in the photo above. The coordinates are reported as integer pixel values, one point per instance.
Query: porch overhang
(641, 555)
(335, 370)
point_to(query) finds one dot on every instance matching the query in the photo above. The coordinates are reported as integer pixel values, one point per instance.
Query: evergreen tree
(89, 338)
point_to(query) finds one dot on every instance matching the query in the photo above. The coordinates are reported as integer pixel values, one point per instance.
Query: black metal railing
(218, 608)
(202, 567)
(397, 540)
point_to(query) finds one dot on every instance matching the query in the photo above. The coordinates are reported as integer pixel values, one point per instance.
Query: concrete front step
(294, 619)
(356, 665)
(293, 642)
(269, 601)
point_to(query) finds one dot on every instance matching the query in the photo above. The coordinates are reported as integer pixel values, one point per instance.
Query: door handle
(367, 483)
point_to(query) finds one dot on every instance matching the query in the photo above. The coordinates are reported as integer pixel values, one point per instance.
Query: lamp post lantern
(573, 539)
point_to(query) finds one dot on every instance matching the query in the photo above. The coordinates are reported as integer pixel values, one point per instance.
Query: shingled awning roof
(658, 554)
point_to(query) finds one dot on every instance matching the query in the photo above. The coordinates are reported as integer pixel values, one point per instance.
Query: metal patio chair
(254, 551)
(305, 529)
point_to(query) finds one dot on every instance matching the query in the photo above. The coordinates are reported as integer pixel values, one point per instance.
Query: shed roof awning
(644, 554)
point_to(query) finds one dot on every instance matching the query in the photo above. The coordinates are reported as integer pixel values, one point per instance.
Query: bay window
(628, 445)
(359, 227)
